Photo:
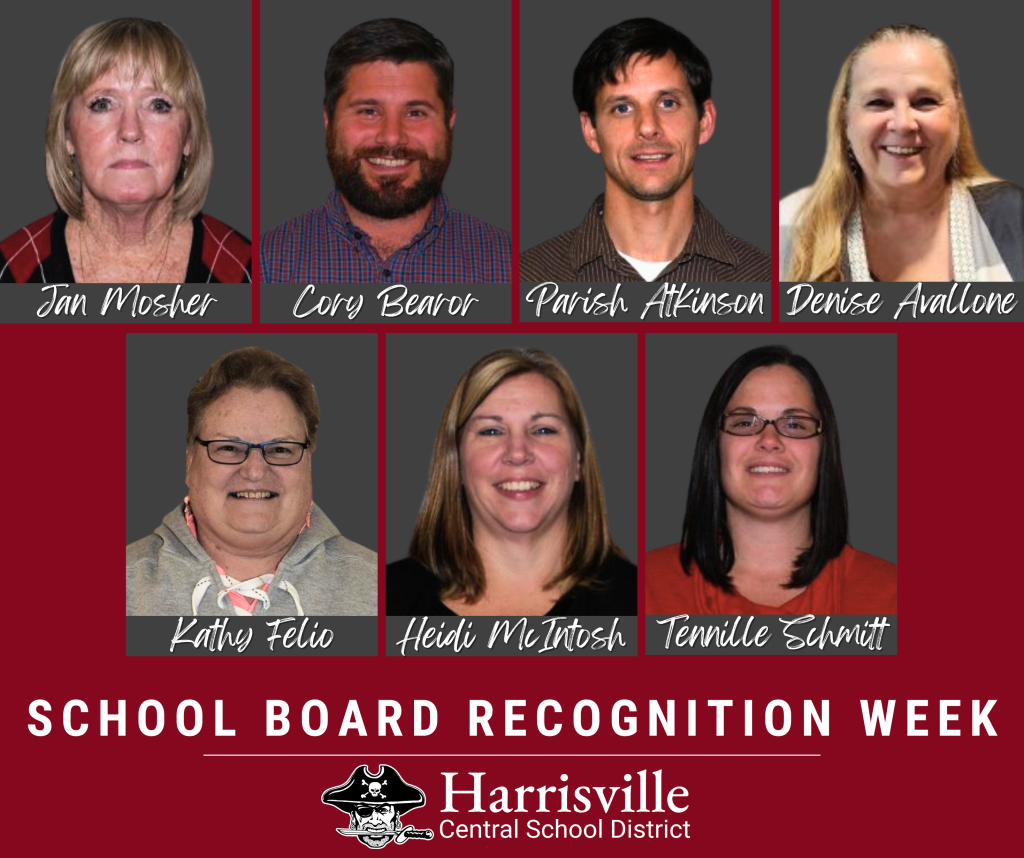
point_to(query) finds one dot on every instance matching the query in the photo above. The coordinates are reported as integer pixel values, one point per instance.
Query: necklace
(161, 255)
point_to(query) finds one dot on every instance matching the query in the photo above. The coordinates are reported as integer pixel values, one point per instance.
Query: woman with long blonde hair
(902, 194)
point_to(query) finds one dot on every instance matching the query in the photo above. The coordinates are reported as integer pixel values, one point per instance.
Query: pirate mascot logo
(375, 804)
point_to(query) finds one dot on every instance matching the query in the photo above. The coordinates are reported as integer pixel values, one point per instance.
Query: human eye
(161, 105)
(739, 421)
(545, 430)
(620, 109)
(225, 446)
(282, 452)
(100, 104)
(879, 103)
(489, 432)
(926, 102)
(669, 103)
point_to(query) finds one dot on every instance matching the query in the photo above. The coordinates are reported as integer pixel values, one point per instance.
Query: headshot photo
(905, 187)
(246, 535)
(764, 520)
(639, 196)
(125, 190)
(505, 511)
(417, 174)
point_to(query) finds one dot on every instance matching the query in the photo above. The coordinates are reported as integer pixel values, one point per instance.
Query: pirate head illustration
(375, 803)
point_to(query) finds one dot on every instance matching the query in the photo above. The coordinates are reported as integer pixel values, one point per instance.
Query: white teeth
(903, 150)
(768, 469)
(387, 162)
(519, 486)
(253, 495)
(651, 157)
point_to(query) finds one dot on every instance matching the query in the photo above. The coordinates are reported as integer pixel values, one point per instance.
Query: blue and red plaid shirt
(324, 246)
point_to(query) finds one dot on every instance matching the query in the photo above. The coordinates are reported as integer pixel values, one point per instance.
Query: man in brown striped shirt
(643, 90)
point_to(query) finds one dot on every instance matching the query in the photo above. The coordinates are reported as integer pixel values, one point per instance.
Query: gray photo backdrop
(422, 371)
(295, 38)
(859, 372)
(37, 37)
(815, 38)
(162, 369)
(559, 177)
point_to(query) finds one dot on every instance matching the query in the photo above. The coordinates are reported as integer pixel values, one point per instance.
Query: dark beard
(387, 198)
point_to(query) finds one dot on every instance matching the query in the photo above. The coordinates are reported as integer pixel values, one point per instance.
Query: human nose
(255, 466)
(391, 130)
(648, 123)
(518, 448)
(903, 120)
(131, 127)
(770, 440)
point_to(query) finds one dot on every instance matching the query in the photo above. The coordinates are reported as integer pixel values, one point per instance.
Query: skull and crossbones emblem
(374, 789)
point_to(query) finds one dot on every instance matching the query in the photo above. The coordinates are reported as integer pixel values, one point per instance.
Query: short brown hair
(142, 46)
(257, 369)
(443, 537)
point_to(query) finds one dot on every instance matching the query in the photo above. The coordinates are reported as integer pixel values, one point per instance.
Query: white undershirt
(648, 270)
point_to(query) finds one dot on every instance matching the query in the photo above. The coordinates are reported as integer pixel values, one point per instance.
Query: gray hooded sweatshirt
(330, 575)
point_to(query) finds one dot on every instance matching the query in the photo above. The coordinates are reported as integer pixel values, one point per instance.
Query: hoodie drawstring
(251, 589)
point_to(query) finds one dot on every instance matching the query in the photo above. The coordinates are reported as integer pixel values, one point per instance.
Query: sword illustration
(400, 836)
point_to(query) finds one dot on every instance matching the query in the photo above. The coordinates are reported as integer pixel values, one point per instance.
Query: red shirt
(852, 583)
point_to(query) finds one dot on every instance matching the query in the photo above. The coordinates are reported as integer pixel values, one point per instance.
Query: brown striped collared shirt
(587, 255)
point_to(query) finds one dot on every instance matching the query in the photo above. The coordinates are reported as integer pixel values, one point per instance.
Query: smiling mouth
(903, 150)
(389, 162)
(519, 486)
(253, 495)
(653, 158)
(768, 469)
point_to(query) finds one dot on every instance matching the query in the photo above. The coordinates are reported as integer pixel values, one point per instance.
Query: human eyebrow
(875, 94)
(364, 102)
(547, 415)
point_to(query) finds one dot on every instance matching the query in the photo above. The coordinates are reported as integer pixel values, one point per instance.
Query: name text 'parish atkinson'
(669, 302)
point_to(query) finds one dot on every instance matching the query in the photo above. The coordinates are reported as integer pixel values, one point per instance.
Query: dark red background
(960, 565)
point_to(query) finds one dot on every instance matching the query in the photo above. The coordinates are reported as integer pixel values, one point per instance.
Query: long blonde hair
(817, 246)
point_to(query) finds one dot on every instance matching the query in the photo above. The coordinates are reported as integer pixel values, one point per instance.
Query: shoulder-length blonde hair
(817, 244)
(140, 47)
(443, 537)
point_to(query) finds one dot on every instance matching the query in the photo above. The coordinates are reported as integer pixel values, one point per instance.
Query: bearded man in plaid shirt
(389, 120)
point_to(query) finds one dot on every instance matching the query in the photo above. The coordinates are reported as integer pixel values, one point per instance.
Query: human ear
(707, 122)
(589, 133)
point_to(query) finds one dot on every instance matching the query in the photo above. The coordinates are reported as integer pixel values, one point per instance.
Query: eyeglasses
(229, 452)
(790, 425)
